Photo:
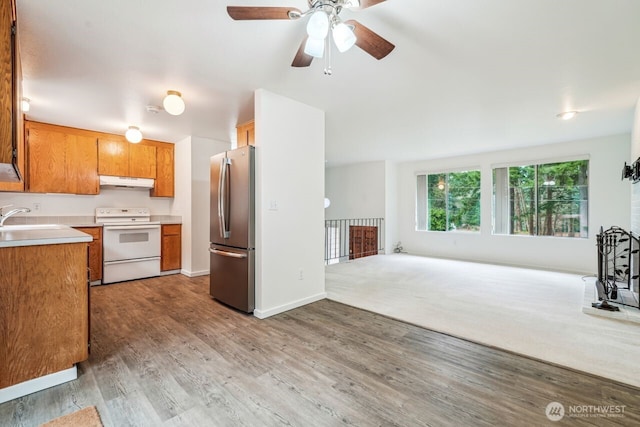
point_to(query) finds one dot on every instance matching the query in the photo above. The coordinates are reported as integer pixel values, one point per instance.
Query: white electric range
(131, 244)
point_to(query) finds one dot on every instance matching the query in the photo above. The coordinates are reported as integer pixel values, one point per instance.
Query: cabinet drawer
(171, 229)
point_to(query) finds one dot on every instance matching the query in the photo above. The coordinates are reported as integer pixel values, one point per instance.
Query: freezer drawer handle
(229, 254)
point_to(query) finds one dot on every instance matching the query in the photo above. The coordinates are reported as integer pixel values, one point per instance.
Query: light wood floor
(165, 354)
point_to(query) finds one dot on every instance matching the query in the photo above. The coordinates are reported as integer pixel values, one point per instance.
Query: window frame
(536, 194)
(423, 215)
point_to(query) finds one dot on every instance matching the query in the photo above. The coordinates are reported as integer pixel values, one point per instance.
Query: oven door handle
(131, 227)
(229, 254)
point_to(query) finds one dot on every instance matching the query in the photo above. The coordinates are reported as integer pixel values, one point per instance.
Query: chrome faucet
(12, 212)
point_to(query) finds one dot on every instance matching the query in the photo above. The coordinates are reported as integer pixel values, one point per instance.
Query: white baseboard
(169, 272)
(37, 384)
(263, 314)
(194, 273)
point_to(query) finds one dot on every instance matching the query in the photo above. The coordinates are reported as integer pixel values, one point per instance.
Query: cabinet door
(46, 161)
(113, 157)
(142, 161)
(171, 256)
(246, 134)
(8, 180)
(81, 161)
(6, 87)
(95, 251)
(164, 185)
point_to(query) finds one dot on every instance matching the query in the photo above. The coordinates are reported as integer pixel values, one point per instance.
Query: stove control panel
(122, 214)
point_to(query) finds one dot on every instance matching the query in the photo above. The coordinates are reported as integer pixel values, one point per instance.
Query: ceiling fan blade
(302, 59)
(241, 13)
(367, 3)
(369, 41)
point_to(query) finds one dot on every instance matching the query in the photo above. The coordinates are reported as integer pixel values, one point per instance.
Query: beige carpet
(531, 312)
(86, 417)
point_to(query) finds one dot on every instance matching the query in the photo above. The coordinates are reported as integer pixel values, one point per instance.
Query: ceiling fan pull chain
(327, 58)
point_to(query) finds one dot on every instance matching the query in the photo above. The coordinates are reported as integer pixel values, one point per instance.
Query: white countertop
(40, 234)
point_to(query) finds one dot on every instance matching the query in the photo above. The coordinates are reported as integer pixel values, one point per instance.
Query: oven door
(123, 242)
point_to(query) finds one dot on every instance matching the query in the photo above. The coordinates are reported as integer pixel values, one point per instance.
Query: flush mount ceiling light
(133, 134)
(566, 115)
(173, 103)
(25, 105)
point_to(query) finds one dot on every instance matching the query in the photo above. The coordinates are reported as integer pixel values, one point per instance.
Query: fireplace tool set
(618, 269)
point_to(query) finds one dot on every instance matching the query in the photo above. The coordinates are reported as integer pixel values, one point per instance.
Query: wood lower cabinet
(363, 241)
(95, 252)
(44, 315)
(246, 133)
(61, 161)
(171, 255)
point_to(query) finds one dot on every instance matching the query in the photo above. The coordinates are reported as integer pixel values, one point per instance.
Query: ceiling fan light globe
(173, 103)
(343, 37)
(314, 47)
(318, 25)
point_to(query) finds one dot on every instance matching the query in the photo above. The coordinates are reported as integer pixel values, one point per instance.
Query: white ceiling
(466, 75)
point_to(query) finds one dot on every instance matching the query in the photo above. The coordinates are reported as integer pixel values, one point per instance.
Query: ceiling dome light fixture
(173, 103)
(25, 105)
(567, 115)
(133, 134)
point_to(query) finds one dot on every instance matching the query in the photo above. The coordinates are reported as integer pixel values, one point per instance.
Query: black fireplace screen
(618, 266)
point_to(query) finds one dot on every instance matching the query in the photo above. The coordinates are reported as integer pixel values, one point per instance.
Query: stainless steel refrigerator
(232, 228)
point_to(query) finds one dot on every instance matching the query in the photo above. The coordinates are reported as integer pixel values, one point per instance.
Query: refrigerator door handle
(225, 253)
(223, 198)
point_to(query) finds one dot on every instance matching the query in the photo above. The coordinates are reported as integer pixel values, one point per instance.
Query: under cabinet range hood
(125, 182)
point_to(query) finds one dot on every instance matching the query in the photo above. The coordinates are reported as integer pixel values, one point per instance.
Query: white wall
(364, 190)
(609, 204)
(289, 204)
(192, 156)
(356, 191)
(391, 207)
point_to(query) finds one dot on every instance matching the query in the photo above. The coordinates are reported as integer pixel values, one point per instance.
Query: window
(449, 201)
(542, 199)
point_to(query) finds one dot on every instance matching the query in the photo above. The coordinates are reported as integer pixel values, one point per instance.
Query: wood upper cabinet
(171, 254)
(113, 157)
(246, 133)
(142, 161)
(60, 161)
(95, 252)
(164, 185)
(11, 116)
(121, 158)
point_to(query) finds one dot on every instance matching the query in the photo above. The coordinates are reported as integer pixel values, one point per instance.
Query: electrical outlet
(300, 275)
(36, 207)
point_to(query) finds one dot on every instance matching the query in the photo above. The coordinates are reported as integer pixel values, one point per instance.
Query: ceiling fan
(323, 18)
